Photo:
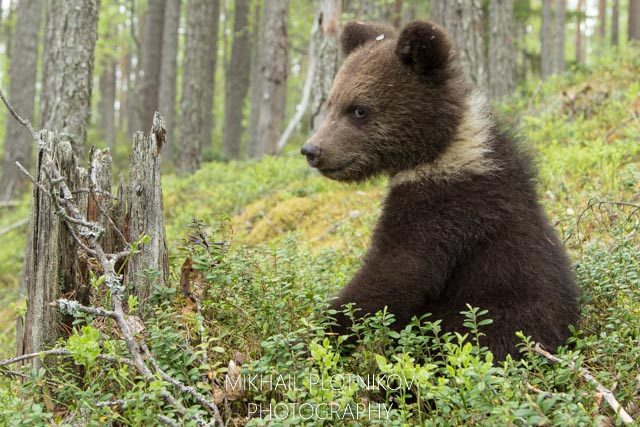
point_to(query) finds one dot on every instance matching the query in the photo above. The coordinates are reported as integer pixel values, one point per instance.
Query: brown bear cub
(461, 223)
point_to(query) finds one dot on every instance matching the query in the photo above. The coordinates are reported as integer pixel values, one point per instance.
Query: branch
(13, 226)
(608, 394)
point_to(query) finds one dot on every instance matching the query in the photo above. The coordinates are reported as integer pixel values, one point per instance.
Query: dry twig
(606, 393)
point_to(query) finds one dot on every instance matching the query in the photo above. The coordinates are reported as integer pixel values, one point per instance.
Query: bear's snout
(312, 152)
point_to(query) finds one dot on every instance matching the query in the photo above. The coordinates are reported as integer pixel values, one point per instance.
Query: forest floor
(290, 237)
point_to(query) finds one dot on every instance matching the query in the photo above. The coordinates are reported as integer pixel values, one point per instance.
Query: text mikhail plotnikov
(311, 382)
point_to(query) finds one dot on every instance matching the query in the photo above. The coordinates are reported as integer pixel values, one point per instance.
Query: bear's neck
(467, 154)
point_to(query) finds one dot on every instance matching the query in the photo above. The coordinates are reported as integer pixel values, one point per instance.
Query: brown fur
(461, 223)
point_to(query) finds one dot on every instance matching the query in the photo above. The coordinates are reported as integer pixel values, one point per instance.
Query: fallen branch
(606, 393)
(13, 226)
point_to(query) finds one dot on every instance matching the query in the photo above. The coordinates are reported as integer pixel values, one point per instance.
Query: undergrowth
(273, 240)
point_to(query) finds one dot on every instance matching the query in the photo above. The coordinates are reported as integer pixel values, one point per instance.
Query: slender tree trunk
(579, 44)
(196, 82)
(463, 20)
(256, 83)
(634, 19)
(615, 22)
(125, 69)
(107, 102)
(559, 65)
(71, 39)
(237, 80)
(168, 71)
(22, 92)
(546, 52)
(602, 20)
(274, 65)
(396, 14)
(502, 67)
(149, 83)
(210, 90)
(327, 59)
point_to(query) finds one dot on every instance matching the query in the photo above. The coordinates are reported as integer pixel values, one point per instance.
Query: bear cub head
(396, 103)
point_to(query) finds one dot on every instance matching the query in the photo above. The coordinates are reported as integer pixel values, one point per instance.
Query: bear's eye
(359, 112)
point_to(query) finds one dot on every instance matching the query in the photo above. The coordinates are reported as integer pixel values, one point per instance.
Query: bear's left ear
(356, 34)
(424, 46)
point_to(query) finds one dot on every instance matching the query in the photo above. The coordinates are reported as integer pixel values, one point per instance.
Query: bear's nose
(311, 151)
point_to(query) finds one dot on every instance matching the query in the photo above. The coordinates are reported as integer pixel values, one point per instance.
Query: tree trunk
(559, 65)
(256, 82)
(615, 20)
(274, 65)
(463, 21)
(546, 51)
(634, 19)
(168, 71)
(210, 89)
(579, 41)
(125, 70)
(327, 59)
(196, 82)
(71, 39)
(107, 102)
(502, 67)
(22, 92)
(602, 20)
(149, 83)
(396, 14)
(237, 81)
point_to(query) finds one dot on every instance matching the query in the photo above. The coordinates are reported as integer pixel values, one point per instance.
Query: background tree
(22, 91)
(615, 22)
(237, 80)
(149, 84)
(559, 63)
(327, 60)
(502, 32)
(212, 58)
(273, 69)
(256, 81)
(463, 19)
(546, 34)
(196, 81)
(579, 33)
(634, 19)
(168, 71)
(70, 40)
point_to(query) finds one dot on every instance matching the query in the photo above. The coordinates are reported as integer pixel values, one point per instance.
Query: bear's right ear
(356, 34)
(424, 46)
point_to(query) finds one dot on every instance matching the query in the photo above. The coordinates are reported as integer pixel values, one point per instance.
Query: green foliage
(264, 304)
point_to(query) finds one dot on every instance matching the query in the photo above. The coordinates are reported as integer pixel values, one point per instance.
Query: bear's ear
(424, 46)
(356, 34)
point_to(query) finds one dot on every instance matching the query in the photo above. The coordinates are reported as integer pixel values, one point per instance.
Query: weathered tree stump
(56, 265)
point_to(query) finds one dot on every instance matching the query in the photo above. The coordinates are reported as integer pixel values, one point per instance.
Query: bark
(237, 81)
(145, 213)
(463, 21)
(197, 80)
(22, 91)
(327, 59)
(149, 83)
(273, 68)
(168, 71)
(71, 34)
(559, 63)
(256, 82)
(502, 67)
(615, 21)
(634, 20)
(546, 34)
(107, 102)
